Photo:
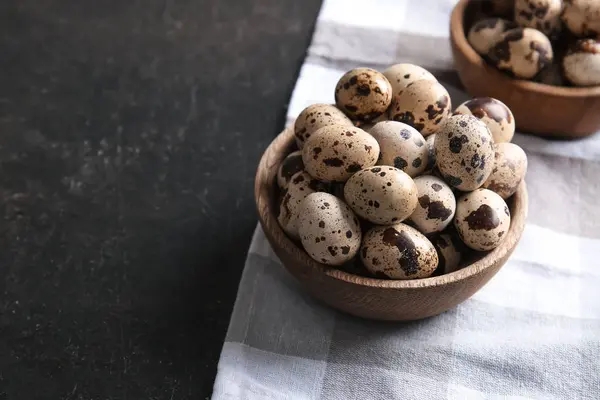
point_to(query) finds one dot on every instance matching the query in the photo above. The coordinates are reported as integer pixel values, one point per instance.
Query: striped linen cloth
(533, 332)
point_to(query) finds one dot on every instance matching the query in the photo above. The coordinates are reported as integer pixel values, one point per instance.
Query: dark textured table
(129, 136)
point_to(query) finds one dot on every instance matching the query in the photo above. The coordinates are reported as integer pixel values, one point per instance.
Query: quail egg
(329, 230)
(522, 52)
(288, 167)
(484, 34)
(543, 15)
(482, 219)
(450, 251)
(402, 75)
(510, 167)
(401, 146)
(382, 195)
(582, 63)
(334, 153)
(315, 117)
(464, 152)
(300, 186)
(582, 17)
(398, 252)
(424, 105)
(435, 204)
(363, 94)
(494, 113)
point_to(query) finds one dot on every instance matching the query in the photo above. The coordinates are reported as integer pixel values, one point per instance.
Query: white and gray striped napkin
(532, 333)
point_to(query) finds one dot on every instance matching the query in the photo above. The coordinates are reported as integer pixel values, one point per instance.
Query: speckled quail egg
(300, 186)
(334, 153)
(329, 230)
(464, 152)
(450, 251)
(382, 195)
(363, 94)
(494, 113)
(482, 219)
(315, 117)
(288, 167)
(543, 15)
(430, 154)
(401, 146)
(522, 52)
(435, 204)
(484, 34)
(402, 75)
(424, 105)
(582, 17)
(582, 63)
(510, 167)
(398, 252)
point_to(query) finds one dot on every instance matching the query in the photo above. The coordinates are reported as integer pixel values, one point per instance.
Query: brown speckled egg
(510, 167)
(398, 252)
(363, 94)
(582, 17)
(424, 105)
(522, 52)
(329, 230)
(484, 34)
(315, 117)
(300, 186)
(430, 154)
(382, 195)
(450, 252)
(582, 63)
(482, 219)
(543, 15)
(401, 146)
(288, 168)
(402, 75)
(334, 153)
(435, 204)
(494, 113)
(464, 152)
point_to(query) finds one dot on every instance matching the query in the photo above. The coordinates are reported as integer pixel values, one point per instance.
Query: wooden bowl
(553, 111)
(369, 297)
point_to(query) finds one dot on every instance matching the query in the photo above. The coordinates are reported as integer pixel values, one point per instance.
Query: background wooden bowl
(369, 297)
(545, 110)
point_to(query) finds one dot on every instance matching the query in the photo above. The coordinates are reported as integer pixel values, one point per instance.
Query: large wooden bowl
(369, 297)
(545, 110)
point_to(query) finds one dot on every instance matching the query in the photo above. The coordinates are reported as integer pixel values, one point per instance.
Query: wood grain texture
(553, 111)
(369, 297)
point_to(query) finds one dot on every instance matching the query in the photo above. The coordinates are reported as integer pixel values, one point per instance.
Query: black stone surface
(129, 136)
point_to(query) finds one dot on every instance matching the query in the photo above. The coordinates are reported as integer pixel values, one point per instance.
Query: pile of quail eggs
(391, 183)
(555, 42)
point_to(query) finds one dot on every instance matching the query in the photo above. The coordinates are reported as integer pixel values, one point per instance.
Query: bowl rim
(265, 182)
(459, 39)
